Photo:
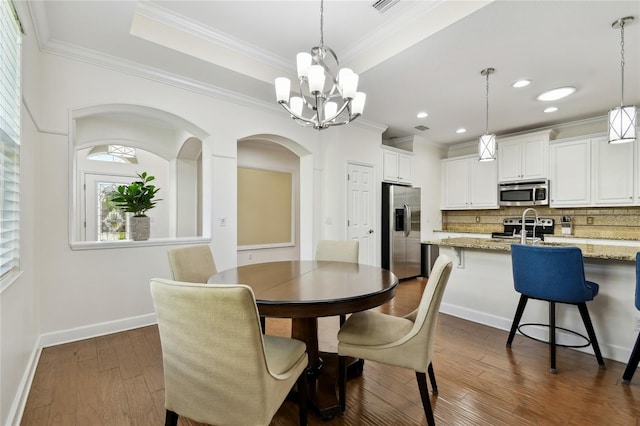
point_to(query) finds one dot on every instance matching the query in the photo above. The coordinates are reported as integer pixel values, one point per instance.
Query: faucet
(523, 232)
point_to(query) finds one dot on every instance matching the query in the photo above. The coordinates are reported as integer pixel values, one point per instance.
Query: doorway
(361, 209)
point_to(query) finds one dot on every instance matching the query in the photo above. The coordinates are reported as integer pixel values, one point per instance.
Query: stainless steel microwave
(530, 193)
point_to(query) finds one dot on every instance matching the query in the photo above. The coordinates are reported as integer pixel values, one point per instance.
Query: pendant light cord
(487, 100)
(622, 62)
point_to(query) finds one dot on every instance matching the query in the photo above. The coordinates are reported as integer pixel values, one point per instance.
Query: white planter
(140, 227)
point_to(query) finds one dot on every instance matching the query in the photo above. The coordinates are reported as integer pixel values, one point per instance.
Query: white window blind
(10, 136)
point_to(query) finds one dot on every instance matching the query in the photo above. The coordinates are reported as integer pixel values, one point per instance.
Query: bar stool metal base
(586, 319)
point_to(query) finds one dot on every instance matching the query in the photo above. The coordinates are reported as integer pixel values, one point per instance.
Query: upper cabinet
(469, 184)
(396, 166)
(588, 171)
(570, 174)
(612, 172)
(524, 157)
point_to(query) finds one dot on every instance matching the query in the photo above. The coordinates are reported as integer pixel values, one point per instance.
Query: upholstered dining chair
(634, 359)
(555, 275)
(401, 341)
(338, 251)
(193, 264)
(218, 366)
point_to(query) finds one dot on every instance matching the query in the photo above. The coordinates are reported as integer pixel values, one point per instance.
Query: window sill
(9, 278)
(102, 245)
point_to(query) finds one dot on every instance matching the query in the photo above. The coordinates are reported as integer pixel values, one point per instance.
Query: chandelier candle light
(487, 143)
(622, 119)
(320, 90)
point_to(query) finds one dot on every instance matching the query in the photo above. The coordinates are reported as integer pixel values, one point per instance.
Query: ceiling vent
(421, 128)
(383, 5)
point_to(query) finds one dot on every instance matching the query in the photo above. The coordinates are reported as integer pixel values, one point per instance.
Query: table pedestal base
(322, 370)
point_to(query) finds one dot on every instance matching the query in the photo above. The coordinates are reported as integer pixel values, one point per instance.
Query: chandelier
(323, 99)
(622, 119)
(487, 142)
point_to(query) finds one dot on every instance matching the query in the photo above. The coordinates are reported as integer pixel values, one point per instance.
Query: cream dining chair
(192, 264)
(218, 366)
(401, 341)
(338, 251)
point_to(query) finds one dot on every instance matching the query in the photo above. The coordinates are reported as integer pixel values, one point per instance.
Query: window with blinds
(10, 135)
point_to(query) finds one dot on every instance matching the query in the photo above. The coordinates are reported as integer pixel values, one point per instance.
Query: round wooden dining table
(305, 290)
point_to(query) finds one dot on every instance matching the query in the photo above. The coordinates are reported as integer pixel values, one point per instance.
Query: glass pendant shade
(283, 87)
(358, 103)
(622, 124)
(303, 62)
(487, 147)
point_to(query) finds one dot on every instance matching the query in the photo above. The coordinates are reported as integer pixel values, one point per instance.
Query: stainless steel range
(513, 225)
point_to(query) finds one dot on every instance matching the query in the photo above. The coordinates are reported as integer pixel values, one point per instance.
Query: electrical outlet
(250, 256)
(589, 220)
(636, 323)
(477, 219)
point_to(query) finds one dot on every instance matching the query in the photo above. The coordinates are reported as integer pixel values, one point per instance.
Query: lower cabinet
(469, 184)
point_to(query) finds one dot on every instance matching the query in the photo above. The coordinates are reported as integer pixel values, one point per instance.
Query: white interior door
(361, 210)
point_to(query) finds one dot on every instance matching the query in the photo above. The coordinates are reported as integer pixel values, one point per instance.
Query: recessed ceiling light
(422, 114)
(555, 94)
(551, 109)
(461, 130)
(521, 83)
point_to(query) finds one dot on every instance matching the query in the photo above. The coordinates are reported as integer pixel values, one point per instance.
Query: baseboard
(67, 336)
(615, 353)
(95, 330)
(17, 408)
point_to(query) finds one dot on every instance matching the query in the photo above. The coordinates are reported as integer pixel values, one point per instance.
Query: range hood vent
(383, 5)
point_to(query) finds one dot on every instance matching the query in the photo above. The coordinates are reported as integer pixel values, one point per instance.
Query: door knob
(371, 231)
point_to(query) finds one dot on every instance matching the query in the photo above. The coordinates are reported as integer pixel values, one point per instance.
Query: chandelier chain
(321, 23)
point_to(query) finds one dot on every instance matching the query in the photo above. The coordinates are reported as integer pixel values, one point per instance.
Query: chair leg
(432, 378)
(342, 383)
(517, 317)
(633, 362)
(552, 336)
(302, 397)
(424, 394)
(584, 313)
(171, 418)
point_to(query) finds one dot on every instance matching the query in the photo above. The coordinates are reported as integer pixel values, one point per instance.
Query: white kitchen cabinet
(570, 174)
(612, 172)
(469, 184)
(524, 157)
(396, 167)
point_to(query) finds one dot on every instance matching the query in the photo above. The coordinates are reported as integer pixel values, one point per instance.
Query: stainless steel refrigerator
(401, 230)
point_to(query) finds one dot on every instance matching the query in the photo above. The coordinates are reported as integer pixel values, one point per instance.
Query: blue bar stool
(635, 354)
(556, 275)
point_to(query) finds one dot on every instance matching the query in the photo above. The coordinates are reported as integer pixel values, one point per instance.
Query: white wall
(20, 302)
(66, 294)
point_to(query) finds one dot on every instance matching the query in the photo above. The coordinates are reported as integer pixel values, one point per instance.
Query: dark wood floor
(117, 380)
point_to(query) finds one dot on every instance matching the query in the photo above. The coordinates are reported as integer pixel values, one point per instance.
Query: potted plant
(137, 198)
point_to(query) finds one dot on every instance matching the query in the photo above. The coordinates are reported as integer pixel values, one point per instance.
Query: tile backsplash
(592, 222)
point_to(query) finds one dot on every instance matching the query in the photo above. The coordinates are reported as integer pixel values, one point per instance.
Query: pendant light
(622, 119)
(487, 143)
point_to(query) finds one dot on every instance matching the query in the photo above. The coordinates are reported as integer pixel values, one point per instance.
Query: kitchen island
(481, 289)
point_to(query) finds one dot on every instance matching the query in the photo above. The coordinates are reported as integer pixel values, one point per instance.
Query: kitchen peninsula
(481, 289)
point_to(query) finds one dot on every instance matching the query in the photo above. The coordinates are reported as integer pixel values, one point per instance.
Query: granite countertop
(594, 251)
